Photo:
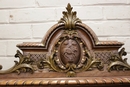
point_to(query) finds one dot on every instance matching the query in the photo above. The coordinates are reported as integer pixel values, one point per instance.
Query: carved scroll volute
(69, 18)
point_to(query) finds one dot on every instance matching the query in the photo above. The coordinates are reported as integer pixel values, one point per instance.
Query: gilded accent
(118, 63)
(23, 65)
(69, 18)
(86, 61)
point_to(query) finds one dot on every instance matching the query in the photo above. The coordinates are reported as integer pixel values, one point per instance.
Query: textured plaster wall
(29, 20)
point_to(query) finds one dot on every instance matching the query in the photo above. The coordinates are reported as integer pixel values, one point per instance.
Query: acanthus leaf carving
(118, 63)
(69, 18)
(70, 51)
(23, 65)
(85, 61)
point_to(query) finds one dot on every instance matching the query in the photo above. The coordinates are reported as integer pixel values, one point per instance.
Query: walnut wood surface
(70, 55)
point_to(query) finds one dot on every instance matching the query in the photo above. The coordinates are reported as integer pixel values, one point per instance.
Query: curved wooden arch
(50, 35)
(69, 49)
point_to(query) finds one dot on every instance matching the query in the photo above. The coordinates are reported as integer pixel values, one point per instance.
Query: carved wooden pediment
(70, 49)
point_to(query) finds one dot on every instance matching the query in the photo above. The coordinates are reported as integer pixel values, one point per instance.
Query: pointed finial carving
(69, 18)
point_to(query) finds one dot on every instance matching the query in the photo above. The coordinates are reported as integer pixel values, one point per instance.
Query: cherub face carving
(70, 51)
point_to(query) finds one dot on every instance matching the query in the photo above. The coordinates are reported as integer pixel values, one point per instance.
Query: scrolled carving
(69, 18)
(118, 63)
(23, 65)
(71, 55)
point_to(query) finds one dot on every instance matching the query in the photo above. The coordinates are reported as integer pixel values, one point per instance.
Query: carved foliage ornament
(117, 62)
(69, 18)
(23, 65)
(70, 54)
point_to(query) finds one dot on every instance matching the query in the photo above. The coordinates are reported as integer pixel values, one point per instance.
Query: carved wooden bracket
(70, 48)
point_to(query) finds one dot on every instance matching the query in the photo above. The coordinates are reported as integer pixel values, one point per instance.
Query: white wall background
(28, 20)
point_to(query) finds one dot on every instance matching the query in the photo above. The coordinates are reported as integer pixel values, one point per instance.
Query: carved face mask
(70, 51)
